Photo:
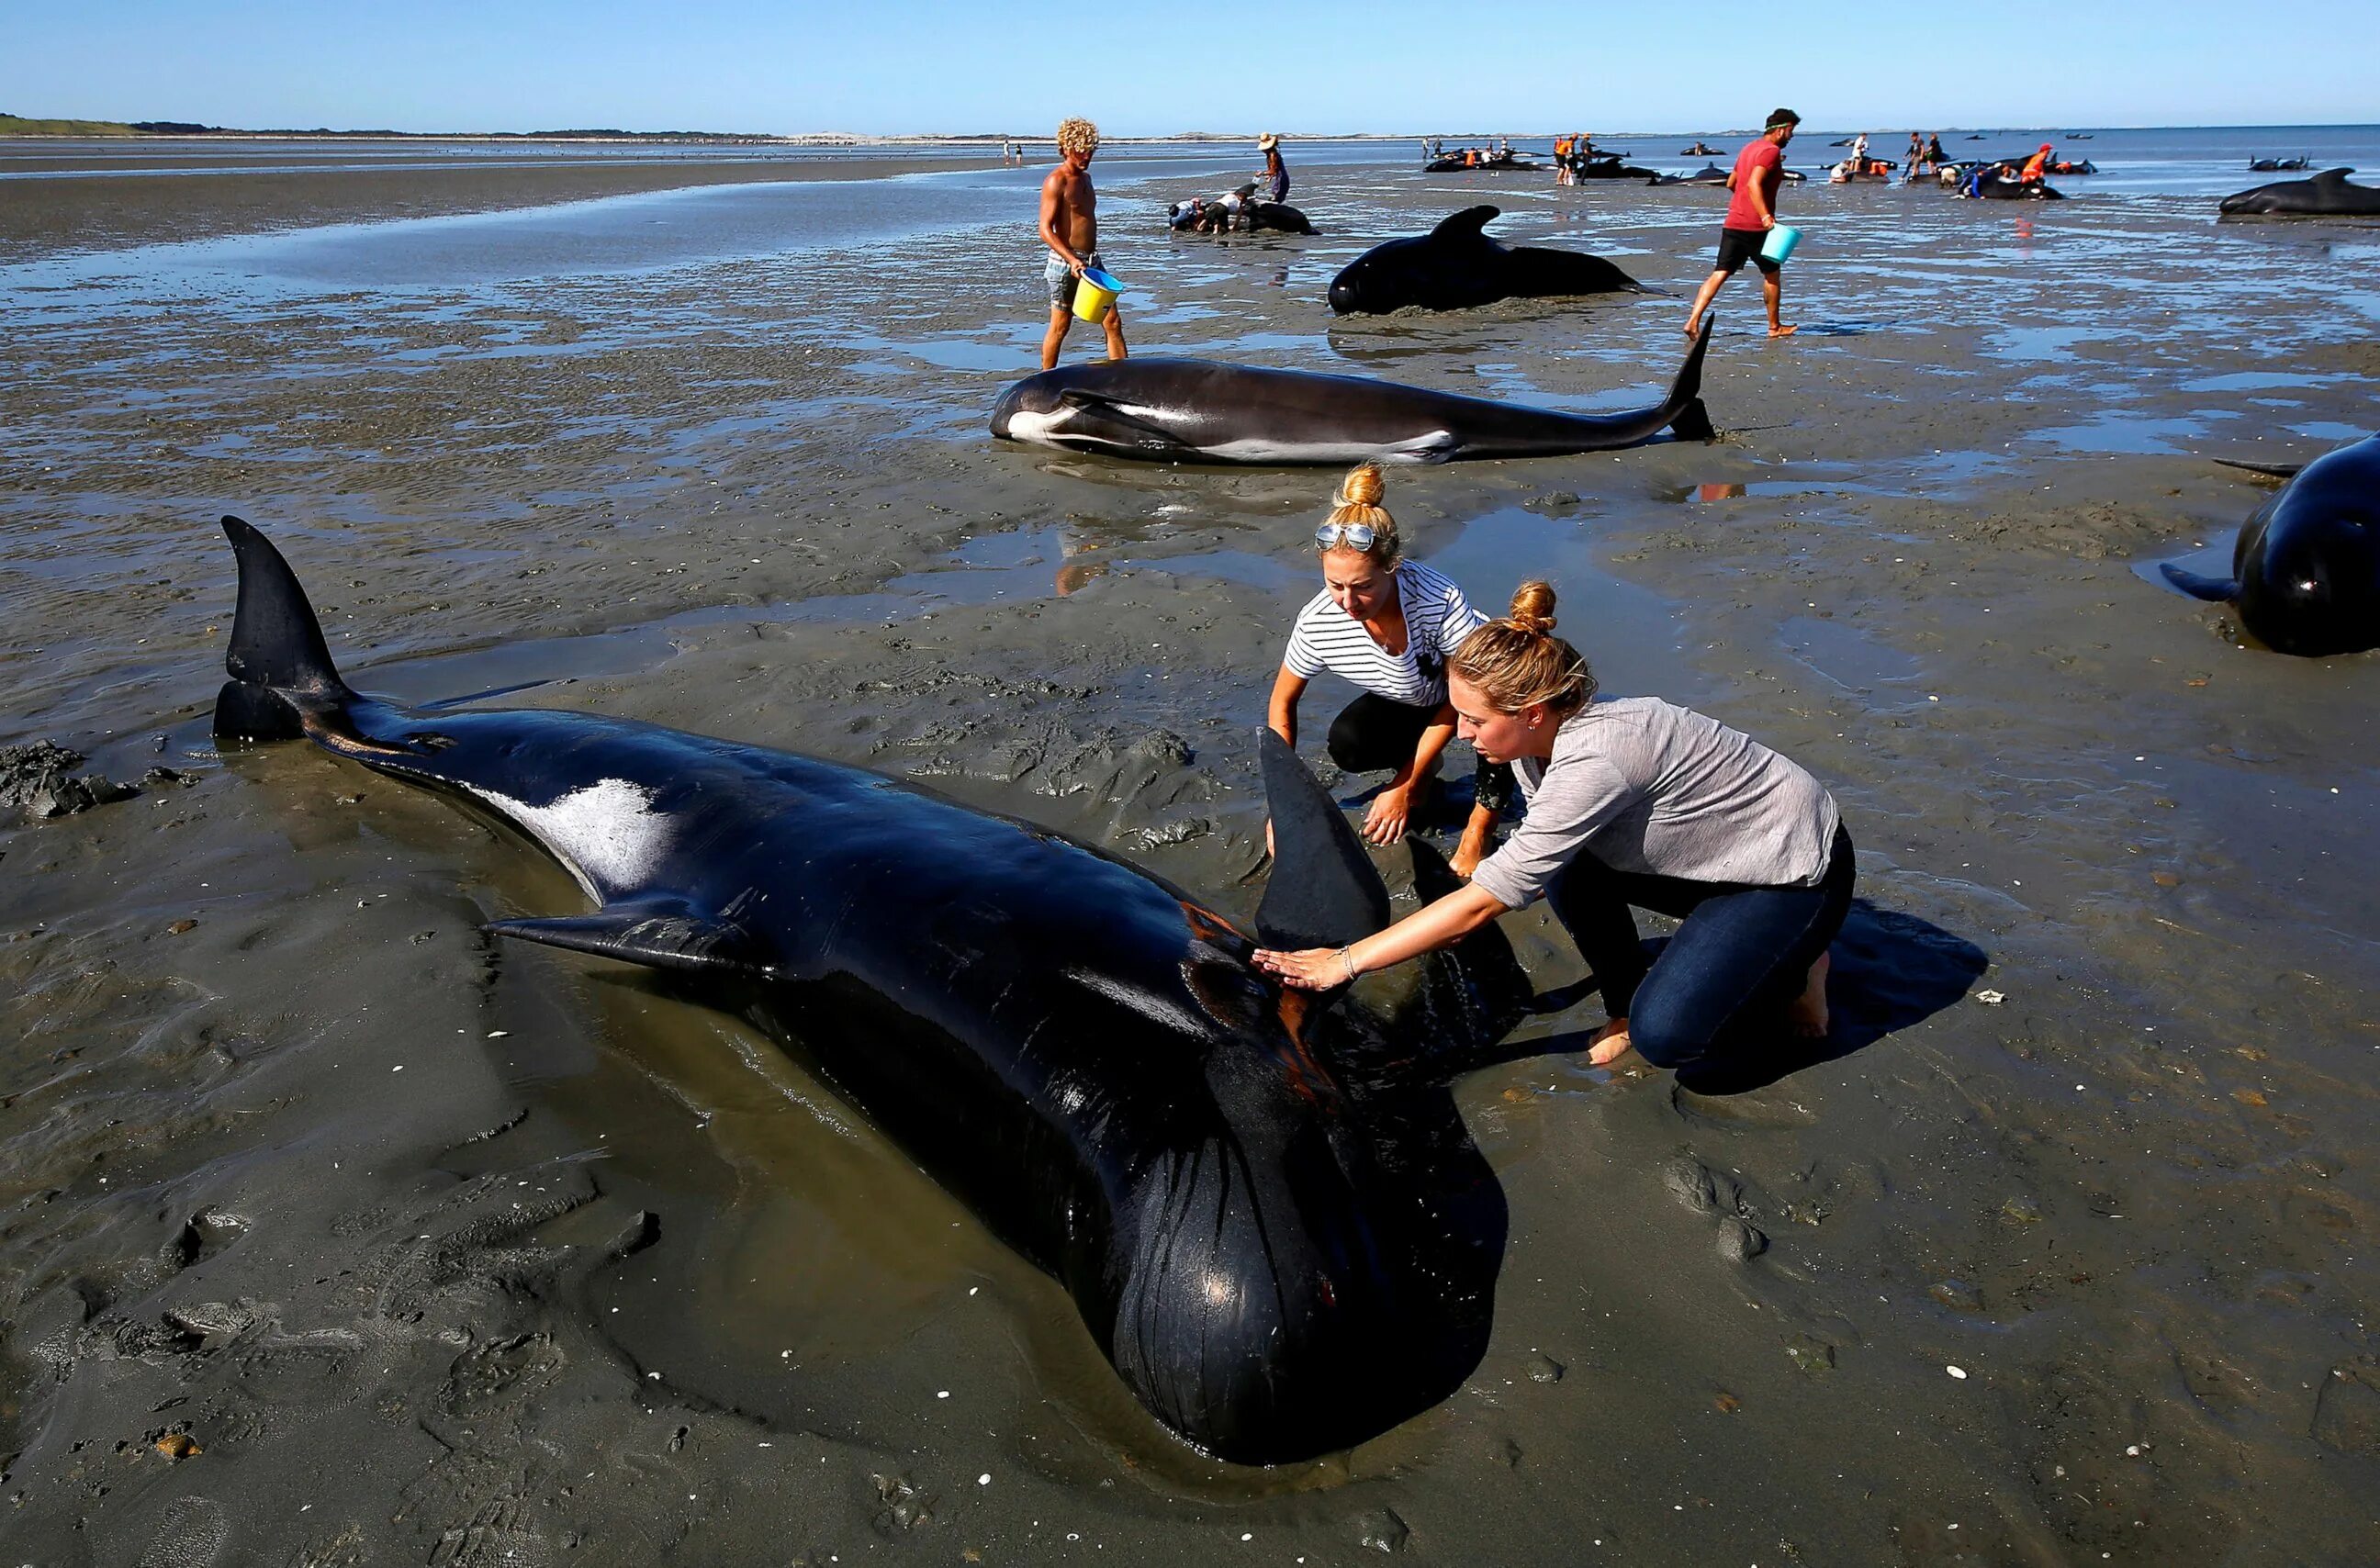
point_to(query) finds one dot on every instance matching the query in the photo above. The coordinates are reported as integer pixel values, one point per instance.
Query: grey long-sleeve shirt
(1648, 786)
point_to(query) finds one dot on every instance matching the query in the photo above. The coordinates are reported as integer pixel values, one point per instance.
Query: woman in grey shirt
(1635, 802)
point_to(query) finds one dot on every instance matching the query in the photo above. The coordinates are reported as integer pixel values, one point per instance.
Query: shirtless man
(1070, 228)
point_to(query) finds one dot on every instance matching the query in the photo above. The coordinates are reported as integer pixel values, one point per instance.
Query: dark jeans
(1374, 733)
(1743, 954)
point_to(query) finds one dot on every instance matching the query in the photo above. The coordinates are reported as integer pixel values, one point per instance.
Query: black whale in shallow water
(2328, 195)
(1456, 265)
(1199, 411)
(2305, 572)
(1283, 1244)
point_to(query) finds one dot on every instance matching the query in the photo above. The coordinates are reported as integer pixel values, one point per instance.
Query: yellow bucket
(1094, 292)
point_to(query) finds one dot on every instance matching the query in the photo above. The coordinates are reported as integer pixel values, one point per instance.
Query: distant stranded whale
(2305, 571)
(1285, 1244)
(2327, 195)
(1199, 411)
(1456, 265)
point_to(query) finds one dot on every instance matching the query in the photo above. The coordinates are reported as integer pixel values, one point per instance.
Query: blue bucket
(1780, 242)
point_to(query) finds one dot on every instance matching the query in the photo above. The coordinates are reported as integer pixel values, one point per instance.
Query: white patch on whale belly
(606, 834)
(1432, 446)
(1039, 429)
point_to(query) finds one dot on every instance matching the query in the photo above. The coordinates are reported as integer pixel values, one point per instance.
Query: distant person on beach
(1070, 228)
(1934, 154)
(1916, 155)
(1275, 170)
(1759, 170)
(1635, 802)
(1388, 626)
(2036, 168)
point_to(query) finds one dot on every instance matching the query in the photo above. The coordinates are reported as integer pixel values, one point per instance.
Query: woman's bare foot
(1808, 1015)
(1611, 1043)
(1782, 331)
(1694, 325)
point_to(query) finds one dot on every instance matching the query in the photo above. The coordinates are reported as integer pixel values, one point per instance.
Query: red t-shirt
(1764, 159)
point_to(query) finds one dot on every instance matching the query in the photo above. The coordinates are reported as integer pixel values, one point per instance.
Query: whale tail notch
(279, 665)
(1690, 421)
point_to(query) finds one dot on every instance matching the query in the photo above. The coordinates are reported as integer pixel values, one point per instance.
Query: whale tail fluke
(1690, 420)
(278, 662)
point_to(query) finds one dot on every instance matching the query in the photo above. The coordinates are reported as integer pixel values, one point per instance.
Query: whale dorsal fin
(661, 933)
(2333, 177)
(1467, 223)
(1324, 891)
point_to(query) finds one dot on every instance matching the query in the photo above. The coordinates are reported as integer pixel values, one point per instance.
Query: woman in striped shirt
(1387, 624)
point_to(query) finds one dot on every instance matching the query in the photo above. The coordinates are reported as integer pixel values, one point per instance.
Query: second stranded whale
(1456, 265)
(1265, 1209)
(2305, 571)
(1203, 412)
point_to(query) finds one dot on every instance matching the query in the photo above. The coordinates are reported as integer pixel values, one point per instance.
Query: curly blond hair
(1518, 662)
(1077, 135)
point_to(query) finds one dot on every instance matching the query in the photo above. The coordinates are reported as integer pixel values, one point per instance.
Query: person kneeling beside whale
(1388, 626)
(1634, 801)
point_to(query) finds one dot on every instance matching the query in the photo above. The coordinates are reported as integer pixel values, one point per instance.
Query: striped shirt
(1652, 788)
(1437, 620)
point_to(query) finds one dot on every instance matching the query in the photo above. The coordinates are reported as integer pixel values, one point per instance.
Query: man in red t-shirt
(1759, 170)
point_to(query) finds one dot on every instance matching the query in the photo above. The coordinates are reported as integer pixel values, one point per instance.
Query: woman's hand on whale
(1312, 969)
(1391, 810)
(1439, 924)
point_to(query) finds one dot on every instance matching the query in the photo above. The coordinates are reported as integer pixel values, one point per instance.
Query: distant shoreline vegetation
(19, 125)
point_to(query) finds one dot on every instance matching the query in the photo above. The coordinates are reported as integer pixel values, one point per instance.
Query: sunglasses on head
(1356, 536)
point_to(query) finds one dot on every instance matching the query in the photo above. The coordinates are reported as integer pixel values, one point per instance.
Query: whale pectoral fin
(661, 935)
(2214, 591)
(1438, 447)
(1469, 221)
(2265, 470)
(1093, 418)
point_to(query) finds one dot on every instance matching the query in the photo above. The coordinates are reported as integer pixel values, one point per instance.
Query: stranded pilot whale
(1282, 1243)
(1199, 411)
(1455, 266)
(2328, 194)
(2305, 572)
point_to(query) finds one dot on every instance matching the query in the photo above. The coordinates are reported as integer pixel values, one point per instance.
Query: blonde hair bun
(1363, 486)
(1533, 606)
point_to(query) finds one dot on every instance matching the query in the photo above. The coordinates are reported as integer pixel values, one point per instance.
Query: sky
(1145, 68)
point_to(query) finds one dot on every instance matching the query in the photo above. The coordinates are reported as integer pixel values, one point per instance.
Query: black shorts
(1737, 246)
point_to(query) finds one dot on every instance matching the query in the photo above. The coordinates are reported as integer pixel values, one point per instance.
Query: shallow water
(729, 471)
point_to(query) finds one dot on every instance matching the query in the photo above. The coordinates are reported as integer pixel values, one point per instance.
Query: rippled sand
(442, 1252)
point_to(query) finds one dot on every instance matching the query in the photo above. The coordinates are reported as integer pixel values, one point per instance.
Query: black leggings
(1374, 733)
(1742, 953)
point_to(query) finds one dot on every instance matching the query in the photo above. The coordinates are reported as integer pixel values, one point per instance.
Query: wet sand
(443, 1252)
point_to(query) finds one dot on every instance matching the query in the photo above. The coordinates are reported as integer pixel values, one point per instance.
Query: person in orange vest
(1561, 160)
(2036, 166)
